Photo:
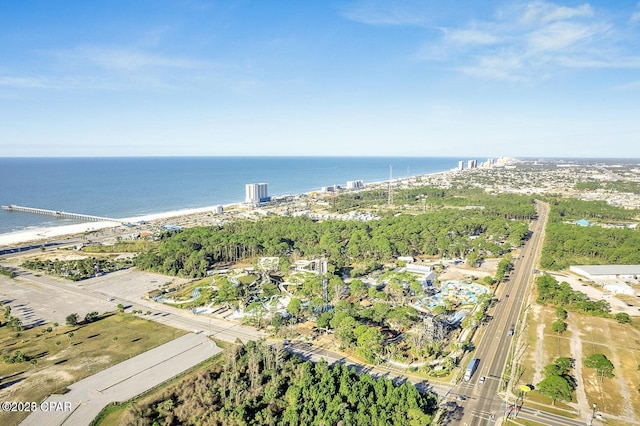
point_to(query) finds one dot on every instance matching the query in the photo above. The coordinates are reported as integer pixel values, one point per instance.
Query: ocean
(127, 187)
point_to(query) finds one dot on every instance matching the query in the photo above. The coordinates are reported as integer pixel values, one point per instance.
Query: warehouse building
(607, 272)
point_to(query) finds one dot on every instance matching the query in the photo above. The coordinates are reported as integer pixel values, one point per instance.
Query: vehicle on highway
(511, 331)
(471, 368)
(481, 380)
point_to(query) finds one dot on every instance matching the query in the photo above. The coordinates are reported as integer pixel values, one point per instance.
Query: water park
(456, 293)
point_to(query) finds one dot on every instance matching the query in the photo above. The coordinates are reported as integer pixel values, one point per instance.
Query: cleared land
(615, 398)
(125, 380)
(62, 360)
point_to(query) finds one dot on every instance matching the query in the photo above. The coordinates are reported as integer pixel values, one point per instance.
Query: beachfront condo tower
(256, 193)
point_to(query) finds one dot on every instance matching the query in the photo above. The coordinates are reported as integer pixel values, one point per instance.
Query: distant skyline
(420, 78)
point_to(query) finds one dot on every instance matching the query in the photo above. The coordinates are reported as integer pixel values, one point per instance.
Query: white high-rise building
(355, 184)
(256, 193)
(460, 165)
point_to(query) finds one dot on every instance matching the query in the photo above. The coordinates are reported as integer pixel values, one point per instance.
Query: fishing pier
(58, 213)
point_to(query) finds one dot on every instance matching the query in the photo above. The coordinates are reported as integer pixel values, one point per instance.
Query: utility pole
(390, 200)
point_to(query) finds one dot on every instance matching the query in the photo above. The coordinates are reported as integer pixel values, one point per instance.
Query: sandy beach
(36, 235)
(47, 233)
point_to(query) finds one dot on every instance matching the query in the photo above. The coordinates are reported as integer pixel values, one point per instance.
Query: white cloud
(563, 35)
(469, 36)
(23, 82)
(572, 61)
(112, 69)
(543, 12)
(123, 59)
(387, 12)
(532, 41)
(501, 66)
(635, 16)
(633, 85)
(523, 41)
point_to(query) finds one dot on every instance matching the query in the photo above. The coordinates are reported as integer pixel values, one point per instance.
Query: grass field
(185, 292)
(62, 360)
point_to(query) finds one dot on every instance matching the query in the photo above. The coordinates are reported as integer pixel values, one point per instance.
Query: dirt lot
(615, 398)
(459, 272)
(595, 292)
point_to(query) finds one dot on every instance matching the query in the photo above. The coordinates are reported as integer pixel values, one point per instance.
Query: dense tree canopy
(567, 244)
(561, 294)
(571, 209)
(446, 233)
(79, 269)
(261, 385)
(507, 206)
(613, 186)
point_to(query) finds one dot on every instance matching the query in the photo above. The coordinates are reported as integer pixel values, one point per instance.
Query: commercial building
(607, 272)
(256, 193)
(332, 188)
(426, 274)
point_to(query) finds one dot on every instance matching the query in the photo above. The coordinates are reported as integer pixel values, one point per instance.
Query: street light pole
(593, 414)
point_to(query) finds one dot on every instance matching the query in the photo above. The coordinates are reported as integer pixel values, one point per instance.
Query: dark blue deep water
(126, 187)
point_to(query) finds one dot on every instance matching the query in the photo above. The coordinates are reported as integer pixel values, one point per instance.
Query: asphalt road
(41, 299)
(122, 381)
(483, 403)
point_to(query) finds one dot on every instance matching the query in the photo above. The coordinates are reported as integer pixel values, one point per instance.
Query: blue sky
(369, 77)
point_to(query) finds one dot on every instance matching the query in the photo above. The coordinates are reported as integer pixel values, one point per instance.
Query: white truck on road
(471, 368)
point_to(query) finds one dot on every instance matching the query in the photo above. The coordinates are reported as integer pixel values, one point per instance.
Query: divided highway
(483, 403)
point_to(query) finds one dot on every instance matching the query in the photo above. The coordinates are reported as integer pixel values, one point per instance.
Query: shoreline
(42, 234)
(46, 233)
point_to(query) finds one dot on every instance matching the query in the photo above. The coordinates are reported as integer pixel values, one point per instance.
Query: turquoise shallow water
(125, 187)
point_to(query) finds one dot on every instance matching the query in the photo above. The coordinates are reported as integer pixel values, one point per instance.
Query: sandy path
(627, 409)
(576, 351)
(538, 362)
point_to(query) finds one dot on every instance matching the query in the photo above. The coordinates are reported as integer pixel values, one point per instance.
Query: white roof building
(618, 288)
(603, 272)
